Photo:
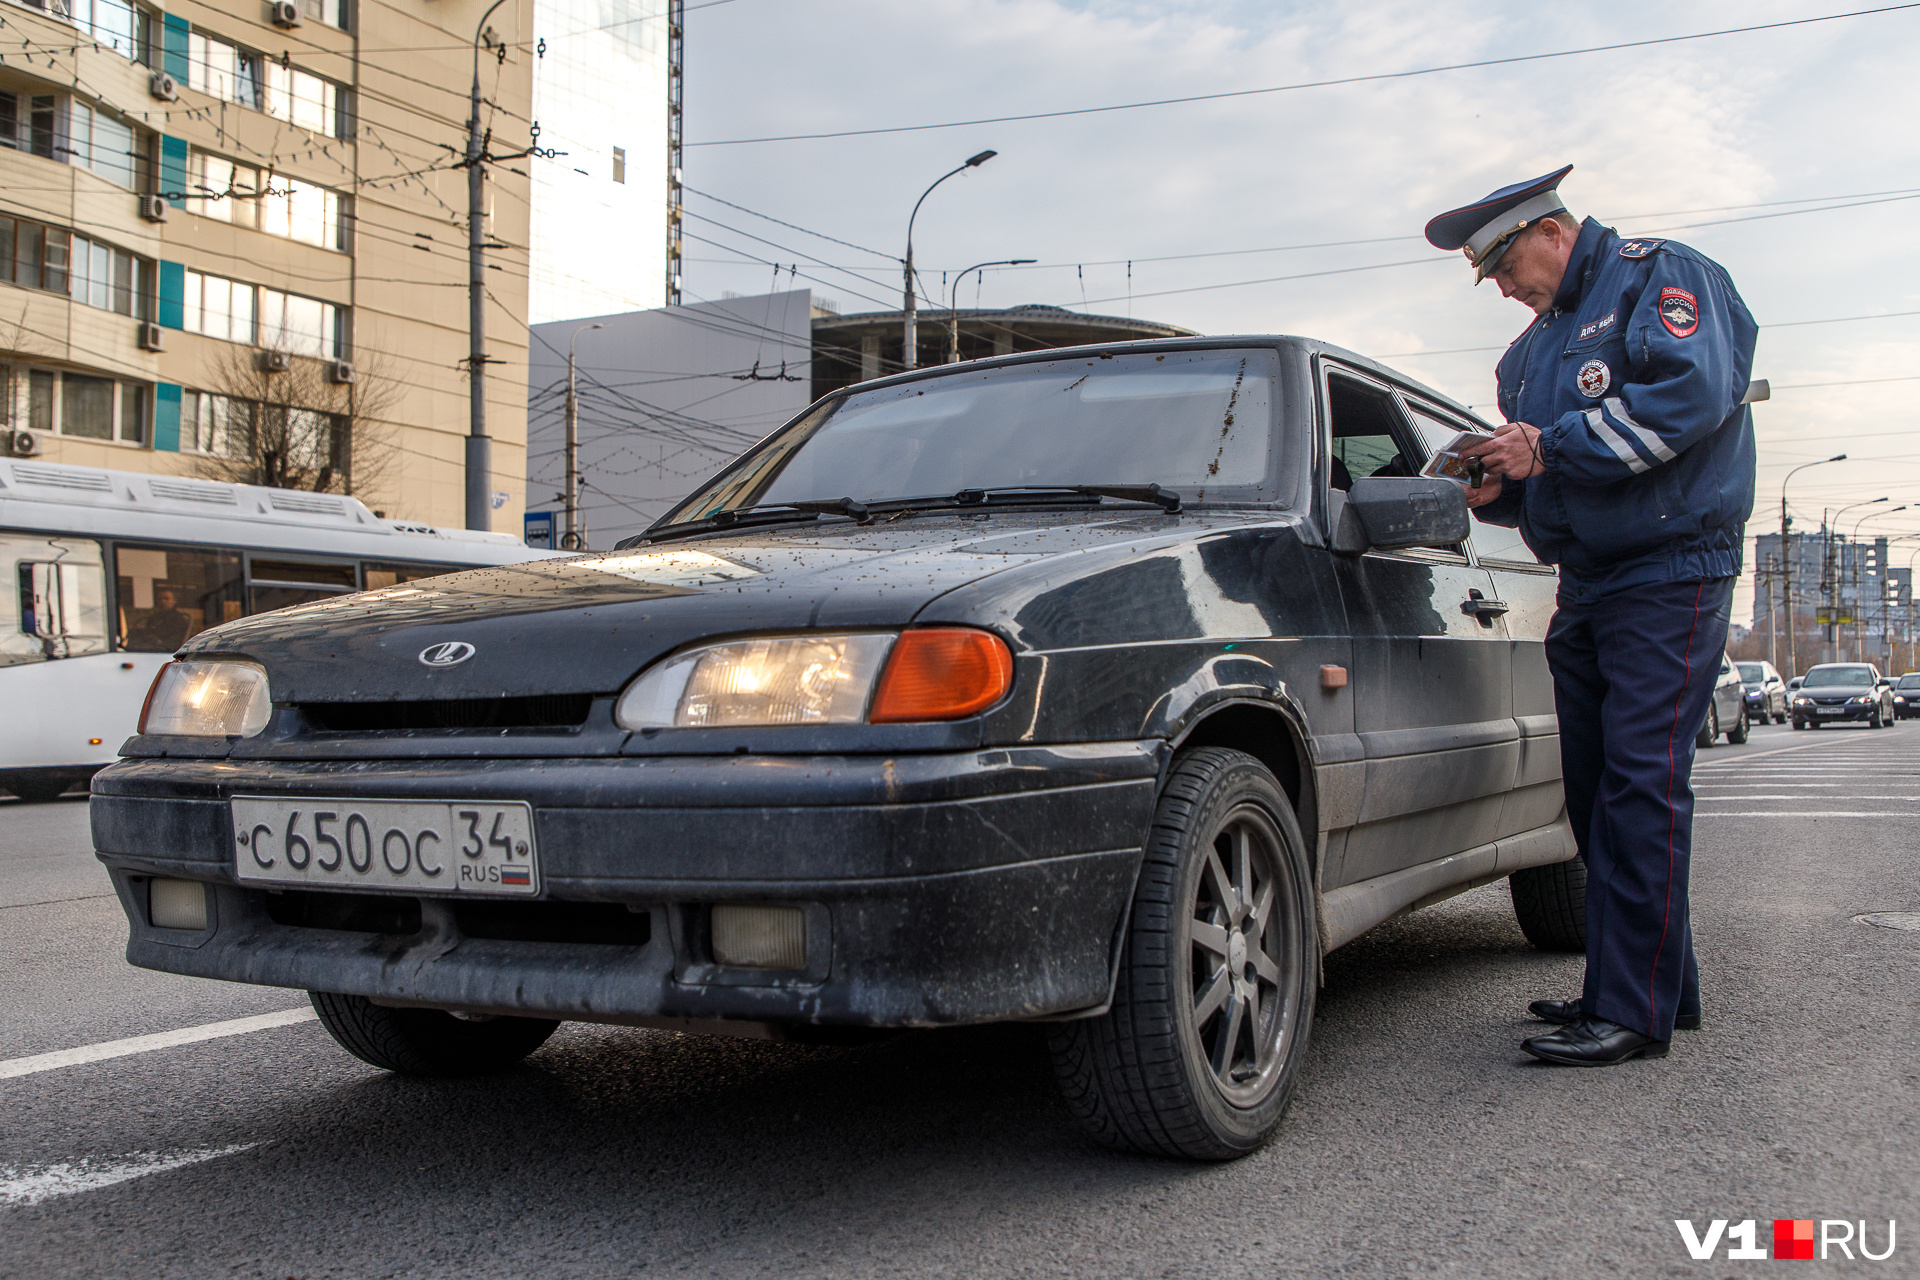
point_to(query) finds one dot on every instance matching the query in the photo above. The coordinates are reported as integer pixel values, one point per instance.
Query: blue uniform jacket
(1635, 379)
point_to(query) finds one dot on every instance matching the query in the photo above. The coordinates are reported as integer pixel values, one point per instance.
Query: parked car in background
(1766, 692)
(1906, 696)
(1727, 713)
(1837, 692)
(1105, 687)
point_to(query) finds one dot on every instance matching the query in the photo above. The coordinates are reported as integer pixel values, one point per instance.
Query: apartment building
(234, 232)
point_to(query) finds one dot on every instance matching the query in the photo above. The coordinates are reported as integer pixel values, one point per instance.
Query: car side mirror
(1389, 512)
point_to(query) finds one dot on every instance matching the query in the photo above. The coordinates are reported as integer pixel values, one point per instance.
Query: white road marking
(30, 1184)
(1800, 813)
(11, 1067)
(1730, 799)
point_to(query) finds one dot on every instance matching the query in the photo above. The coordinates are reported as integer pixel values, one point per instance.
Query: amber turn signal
(942, 673)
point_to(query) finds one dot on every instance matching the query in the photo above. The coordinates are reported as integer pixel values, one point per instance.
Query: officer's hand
(1513, 451)
(1489, 490)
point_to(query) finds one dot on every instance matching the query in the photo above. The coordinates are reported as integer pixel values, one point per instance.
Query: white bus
(104, 574)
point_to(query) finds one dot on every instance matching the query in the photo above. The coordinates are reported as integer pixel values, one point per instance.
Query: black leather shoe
(1593, 1042)
(1565, 1011)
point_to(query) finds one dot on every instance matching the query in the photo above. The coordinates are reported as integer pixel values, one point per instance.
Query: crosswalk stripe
(12, 1067)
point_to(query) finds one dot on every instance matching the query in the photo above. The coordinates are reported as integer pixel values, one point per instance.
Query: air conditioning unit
(24, 444)
(273, 361)
(154, 208)
(152, 337)
(340, 372)
(285, 13)
(163, 86)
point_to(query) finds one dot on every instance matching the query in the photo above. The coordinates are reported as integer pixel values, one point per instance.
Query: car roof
(1307, 346)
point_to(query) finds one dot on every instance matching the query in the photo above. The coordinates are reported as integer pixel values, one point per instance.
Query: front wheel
(1550, 903)
(1738, 734)
(426, 1042)
(1200, 1052)
(1710, 730)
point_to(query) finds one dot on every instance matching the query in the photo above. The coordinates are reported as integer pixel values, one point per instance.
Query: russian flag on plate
(516, 875)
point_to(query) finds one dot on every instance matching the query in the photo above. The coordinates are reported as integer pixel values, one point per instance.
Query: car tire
(1710, 730)
(1550, 903)
(1175, 1067)
(426, 1042)
(1799, 725)
(1738, 734)
(1780, 718)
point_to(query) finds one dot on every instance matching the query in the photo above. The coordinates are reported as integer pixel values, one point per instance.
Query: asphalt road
(1421, 1143)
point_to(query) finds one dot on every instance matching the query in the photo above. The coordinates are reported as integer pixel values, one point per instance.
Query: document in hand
(1447, 462)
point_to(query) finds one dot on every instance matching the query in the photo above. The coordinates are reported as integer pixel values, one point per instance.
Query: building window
(619, 164)
(222, 308)
(113, 23)
(54, 259)
(27, 123)
(103, 144)
(64, 128)
(274, 203)
(85, 406)
(213, 424)
(234, 74)
(331, 12)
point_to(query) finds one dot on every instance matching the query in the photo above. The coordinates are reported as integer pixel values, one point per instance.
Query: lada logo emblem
(448, 653)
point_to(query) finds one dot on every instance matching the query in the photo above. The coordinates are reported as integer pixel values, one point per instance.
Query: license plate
(1831, 711)
(396, 845)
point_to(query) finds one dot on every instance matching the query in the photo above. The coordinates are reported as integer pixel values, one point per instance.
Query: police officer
(1627, 459)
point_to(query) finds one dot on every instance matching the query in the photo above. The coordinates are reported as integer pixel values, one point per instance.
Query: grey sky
(1819, 113)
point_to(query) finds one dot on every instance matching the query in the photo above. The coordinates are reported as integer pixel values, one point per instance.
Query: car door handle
(1478, 606)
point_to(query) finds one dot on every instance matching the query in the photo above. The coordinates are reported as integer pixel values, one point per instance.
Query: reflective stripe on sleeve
(1616, 442)
(1655, 445)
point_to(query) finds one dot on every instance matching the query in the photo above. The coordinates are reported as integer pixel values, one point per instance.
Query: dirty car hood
(588, 624)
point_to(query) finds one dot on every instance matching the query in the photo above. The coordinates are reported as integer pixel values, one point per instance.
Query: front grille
(594, 923)
(541, 711)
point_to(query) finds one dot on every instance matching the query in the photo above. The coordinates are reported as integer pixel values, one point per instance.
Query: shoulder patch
(1679, 311)
(1639, 248)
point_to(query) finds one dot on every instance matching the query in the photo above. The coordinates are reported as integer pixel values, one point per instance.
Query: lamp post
(1830, 573)
(479, 447)
(908, 357)
(1858, 639)
(953, 307)
(1786, 555)
(571, 539)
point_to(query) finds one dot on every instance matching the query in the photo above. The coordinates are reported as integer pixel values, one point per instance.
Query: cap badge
(1679, 311)
(1593, 379)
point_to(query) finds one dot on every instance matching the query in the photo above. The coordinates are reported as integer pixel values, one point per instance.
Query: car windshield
(1753, 672)
(1196, 421)
(1909, 682)
(1840, 677)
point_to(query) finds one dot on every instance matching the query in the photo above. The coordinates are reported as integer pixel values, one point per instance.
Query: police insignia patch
(1679, 311)
(1593, 379)
(1639, 248)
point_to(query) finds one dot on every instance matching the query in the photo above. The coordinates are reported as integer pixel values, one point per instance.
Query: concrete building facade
(205, 205)
(1852, 591)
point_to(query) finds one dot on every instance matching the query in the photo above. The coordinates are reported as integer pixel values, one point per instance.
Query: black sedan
(1108, 688)
(1837, 692)
(1906, 696)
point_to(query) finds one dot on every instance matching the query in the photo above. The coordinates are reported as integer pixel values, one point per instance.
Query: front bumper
(1833, 715)
(968, 887)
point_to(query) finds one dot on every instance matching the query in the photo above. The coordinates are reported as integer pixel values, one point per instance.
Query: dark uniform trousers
(1633, 672)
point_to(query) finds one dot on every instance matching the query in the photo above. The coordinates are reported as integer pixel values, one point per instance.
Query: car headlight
(208, 700)
(929, 673)
(1803, 702)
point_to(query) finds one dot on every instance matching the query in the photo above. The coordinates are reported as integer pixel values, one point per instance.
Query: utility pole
(573, 537)
(1786, 557)
(479, 446)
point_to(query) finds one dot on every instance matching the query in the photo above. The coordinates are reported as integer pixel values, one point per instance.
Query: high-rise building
(233, 241)
(602, 74)
(1848, 593)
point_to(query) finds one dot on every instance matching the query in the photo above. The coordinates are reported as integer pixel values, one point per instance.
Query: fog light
(177, 904)
(760, 937)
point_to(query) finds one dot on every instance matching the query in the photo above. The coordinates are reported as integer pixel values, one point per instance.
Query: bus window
(54, 602)
(392, 575)
(276, 584)
(169, 594)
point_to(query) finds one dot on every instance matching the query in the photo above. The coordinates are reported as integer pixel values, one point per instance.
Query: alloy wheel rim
(1243, 960)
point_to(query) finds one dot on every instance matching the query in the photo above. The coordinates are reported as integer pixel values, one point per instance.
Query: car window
(1201, 421)
(1491, 542)
(1369, 435)
(1909, 682)
(1840, 677)
(1753, 673)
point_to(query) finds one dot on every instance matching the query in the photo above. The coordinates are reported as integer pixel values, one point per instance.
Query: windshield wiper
(1166, 499)
(764, 513)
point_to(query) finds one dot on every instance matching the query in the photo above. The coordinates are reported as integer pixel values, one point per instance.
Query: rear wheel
(1199, 1054)
(1551, 904)
(1710, 731)
(1738, 734)
(427, 1042)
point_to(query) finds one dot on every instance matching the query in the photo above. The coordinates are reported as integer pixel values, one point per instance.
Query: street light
(479, 447)
(1871, 515)
(1786, 558)
(571, 539)
(1830, 572)
(908, 356)
(953, 309)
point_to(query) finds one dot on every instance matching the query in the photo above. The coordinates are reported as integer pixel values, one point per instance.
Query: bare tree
(296, 428)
